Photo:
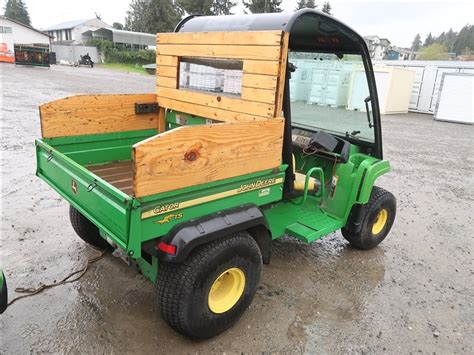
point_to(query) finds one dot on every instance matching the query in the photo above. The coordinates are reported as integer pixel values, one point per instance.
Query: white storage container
(394, 89)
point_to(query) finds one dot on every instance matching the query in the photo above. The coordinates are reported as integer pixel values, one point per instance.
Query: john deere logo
(74, 187)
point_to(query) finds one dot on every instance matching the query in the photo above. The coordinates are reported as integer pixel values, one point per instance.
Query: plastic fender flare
(190, 234)
(371, 174)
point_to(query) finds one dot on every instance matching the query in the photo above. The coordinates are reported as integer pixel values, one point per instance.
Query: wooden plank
(166, 60)
(161, 120)
(261, 38)
(220, 51)
(260, 81)
(206, 112)
(118, 174)
(93, 114)
(171, 72)
(265, 67)
(218, 101)
(164, 81)
(281, 82)
(194, 155)
(258, 95)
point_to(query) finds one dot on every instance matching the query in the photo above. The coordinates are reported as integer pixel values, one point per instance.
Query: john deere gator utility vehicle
(261, 126)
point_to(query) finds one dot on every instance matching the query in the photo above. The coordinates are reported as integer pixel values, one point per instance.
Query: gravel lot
(414, 293)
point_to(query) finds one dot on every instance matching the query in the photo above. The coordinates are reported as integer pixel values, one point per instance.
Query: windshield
(328, 93)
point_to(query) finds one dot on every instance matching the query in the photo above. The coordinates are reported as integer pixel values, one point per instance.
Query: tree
(117, 26)
(464, 39)
(429, 40)
(263, 6)
(327, 8)
(152, 16)
(308, 4)
(200, 7)
(223, 7)
(416, 44)
(435, 51)
(450, 38)
(17, 10)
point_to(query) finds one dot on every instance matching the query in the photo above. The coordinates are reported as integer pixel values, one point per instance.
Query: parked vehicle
(192, 184)
(86, 60)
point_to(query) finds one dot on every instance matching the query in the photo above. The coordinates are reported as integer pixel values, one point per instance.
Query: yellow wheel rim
(226, 290)
(380, 221)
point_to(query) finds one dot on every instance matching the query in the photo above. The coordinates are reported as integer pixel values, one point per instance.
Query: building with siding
(71, 32)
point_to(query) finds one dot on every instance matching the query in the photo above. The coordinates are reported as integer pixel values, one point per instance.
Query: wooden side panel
(92, 114)
(263, 54)
(202, 154)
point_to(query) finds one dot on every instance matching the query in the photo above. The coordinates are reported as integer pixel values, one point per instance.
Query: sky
(398, 21)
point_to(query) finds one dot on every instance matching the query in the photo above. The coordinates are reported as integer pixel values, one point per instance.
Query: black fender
(190, 234)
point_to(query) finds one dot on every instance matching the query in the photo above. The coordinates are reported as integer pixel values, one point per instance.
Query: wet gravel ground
(412, 294)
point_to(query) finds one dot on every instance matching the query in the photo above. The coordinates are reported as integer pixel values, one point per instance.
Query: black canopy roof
(310, 30)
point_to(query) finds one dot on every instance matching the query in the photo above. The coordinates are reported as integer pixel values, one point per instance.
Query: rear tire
(222, 275)
(377, 217)
(86, 230)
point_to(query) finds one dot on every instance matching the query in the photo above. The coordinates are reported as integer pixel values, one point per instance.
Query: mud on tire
(86, 230)
(183, 289)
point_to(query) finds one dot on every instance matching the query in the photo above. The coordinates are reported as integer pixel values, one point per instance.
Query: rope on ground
(31, 291)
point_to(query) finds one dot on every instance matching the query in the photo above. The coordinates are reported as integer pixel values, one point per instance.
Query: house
(377, 46)
(16, 36)
(71, 32)
(80, 31)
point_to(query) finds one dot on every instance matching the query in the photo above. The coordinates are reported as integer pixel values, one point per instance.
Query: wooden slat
(205, 111)
(265, 67)
(262, 38)
(92, 114)
(218, 101)
(171, 72)
(281, 82)
(167, 82)
(259, 95)
(193, 155)
(118, 174)
(161, 120)
(260, 81)
(166, 60)
(222, 51)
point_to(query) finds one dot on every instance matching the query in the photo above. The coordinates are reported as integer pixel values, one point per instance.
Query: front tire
(377, 217)
(209, 291)
(86, 230)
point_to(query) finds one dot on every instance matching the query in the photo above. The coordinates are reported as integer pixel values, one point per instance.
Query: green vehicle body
(130, 222)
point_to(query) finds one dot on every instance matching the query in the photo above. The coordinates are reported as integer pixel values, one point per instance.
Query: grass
(124, 67)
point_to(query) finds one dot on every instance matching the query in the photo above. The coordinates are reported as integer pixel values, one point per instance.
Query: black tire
(86, 230)
(183, 289)
(379, 201)
(4, 296)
